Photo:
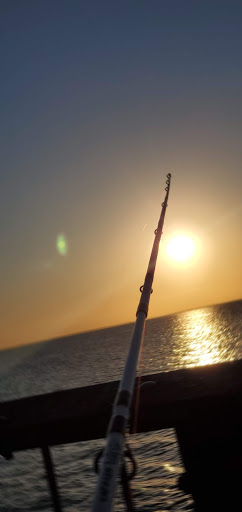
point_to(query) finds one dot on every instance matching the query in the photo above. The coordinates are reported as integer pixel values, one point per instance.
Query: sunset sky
(99, 101)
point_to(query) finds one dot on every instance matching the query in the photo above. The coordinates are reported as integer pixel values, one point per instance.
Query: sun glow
(181, 248)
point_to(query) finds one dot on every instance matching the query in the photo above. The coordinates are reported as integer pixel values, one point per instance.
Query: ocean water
(191, 338)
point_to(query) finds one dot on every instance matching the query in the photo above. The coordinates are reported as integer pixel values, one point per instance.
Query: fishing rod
(113, 452)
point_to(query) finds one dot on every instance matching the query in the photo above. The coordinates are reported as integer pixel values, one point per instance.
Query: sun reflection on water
(203, 336)
(200, 341)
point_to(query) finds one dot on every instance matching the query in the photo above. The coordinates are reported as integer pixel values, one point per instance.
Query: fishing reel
(128, 455)
(125, 476)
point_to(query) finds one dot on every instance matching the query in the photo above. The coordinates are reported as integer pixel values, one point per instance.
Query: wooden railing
(203, 404)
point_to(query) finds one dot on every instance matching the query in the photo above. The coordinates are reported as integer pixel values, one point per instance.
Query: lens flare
(61, 245)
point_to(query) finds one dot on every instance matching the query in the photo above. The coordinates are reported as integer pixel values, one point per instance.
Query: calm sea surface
(192, 338)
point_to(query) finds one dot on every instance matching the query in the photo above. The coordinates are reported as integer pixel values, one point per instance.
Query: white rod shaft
(114, 448)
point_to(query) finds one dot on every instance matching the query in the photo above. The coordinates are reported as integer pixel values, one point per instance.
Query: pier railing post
(51, 478)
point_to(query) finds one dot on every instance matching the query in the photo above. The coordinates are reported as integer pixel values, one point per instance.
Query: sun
(180, 248)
